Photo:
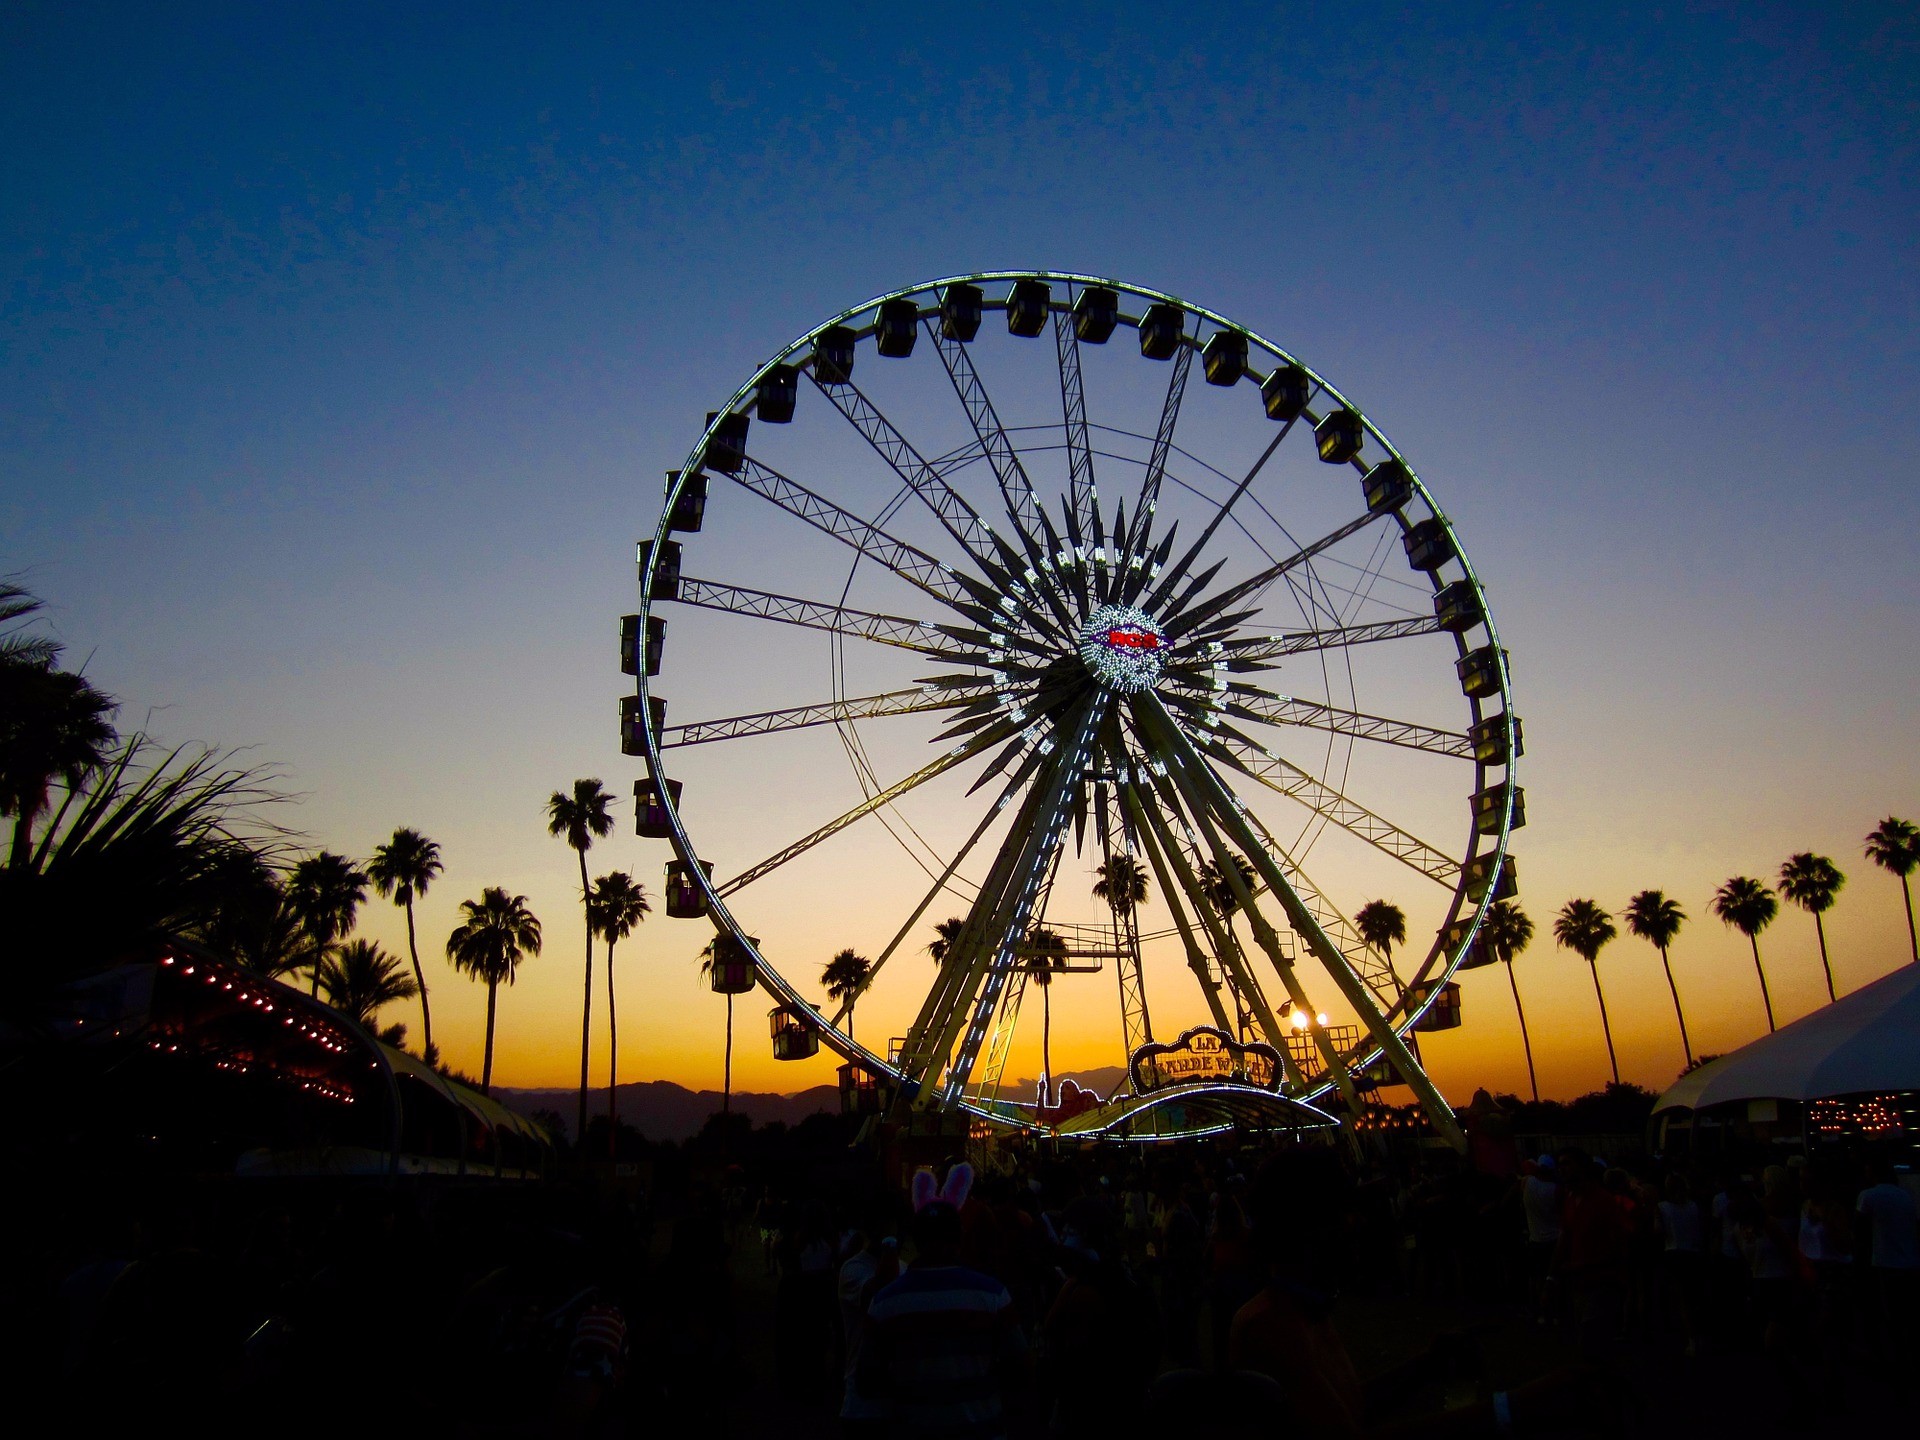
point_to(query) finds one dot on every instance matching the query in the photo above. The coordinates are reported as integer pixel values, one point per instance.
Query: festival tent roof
(1867, 1041)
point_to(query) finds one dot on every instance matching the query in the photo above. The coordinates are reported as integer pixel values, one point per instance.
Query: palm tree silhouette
(326, 891)
(616, 905)
(1383, 926)
(1217, 890)
(1749, 907)
(845, 977)
(1046, 951)
(710, 957)
(1894, 846)
(495, 933)
(1656, 920)
(359, 977)
(1811, 881)
(403, 868)
(1584, 928)
(1506, 932)
(944, 935)
(580, 819)
(1122, 883)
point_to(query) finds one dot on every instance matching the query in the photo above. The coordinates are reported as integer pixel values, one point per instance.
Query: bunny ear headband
(954, 1193)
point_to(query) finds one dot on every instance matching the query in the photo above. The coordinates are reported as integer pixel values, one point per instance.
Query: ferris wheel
(1001, 590)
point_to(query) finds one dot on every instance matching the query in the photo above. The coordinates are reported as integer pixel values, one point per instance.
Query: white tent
(1866, 1041)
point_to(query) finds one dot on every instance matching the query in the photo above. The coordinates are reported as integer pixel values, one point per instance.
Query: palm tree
(1811, 881)
(1584, 928)
(1656, 920)
(1218, 889)
(1122, 883)
(1046, 951)
(710, 957)
(54, 726)
(326, 891)
(495, 933)
(1894, 846)
(944, 936)
(1383, 926)
(1506, 932)
(616, 906)
(403, 868)
(359, 977)
(18, 604)
(1749, 907)
(845, 977)
(580, 819)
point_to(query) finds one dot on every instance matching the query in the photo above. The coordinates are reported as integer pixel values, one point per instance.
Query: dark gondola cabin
(730, 967)
(1096, 310)
(896, 328)
(650, 809)
(794, 1034)
(1489, 740)
(960, 307)
(1490, 802)
(1285, 392)
(690, 505)
(1339, 436)
(1445, 1013)
(1223, 359)
(776, 395)
(1457, 607)
(1480, 868)
(861, 1091)
(631, 650)
(1481, 953)
(1161, 330)
(1387, 487)
(1428, 544)
(666, 575)
(727, 446)
(833, 355)
(1479, 672)
(631, 740)
(1027, 308)
(685, 899)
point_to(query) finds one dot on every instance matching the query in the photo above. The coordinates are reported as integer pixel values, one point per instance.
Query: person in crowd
(1540, 1202)
(1891, 1247)
(873, 1265)
(1683, 1257)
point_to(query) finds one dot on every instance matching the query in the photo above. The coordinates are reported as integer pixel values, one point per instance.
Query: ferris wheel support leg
(1224, 804)
(1234, 964)
(1171, 888)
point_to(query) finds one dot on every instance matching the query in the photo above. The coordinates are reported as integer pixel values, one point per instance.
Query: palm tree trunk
(1821, 930)
(1913, 937)
(726, 1095)
(1526, 1043)
(420, 979)
(613, 1059)
(586, 1001)
(1765, 999)
(23, 833)
(1046, 1044)
(1605, 1029)
(1686, 1045)
(486, 1067)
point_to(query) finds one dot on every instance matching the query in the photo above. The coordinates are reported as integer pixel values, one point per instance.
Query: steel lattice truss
(1095, 687)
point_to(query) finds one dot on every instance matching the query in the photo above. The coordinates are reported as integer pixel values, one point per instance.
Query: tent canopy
(1866, 1041)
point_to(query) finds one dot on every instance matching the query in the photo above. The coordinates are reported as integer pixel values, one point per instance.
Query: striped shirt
(940, 1345)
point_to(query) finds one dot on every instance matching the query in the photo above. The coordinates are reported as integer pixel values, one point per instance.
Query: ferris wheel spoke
(1159, 846)
(799, 717)
(1249, 702)
(1208, 792)
(1173, 577)
(1251, 588)
(1015, 488)
(1290, 780)
(894, 630)
(959, 518)
(1082, 494)
(913, 565)
(1253, 651)
(1162, 442)
(1378, 974)
(957, 756)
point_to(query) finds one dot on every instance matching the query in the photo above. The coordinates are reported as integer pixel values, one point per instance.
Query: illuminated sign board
(1204, 1056)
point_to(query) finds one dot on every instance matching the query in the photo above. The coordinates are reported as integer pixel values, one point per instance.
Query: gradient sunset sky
(342, 350)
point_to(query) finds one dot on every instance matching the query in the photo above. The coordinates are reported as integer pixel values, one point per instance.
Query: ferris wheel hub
(1123, 648)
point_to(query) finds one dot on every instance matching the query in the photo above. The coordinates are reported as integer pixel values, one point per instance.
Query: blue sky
(341, 350)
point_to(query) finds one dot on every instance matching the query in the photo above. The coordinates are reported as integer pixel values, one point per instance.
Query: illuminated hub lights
(1123, 648)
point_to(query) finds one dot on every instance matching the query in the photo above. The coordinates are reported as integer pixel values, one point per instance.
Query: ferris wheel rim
(1446, 958)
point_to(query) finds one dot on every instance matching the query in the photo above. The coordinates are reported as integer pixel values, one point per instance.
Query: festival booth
(204, 1067)
(1849, 1073)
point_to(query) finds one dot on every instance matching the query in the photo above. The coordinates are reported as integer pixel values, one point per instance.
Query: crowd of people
(1051, 1293)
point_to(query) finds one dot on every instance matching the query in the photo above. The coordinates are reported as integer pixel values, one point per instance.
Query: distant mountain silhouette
(662, 1110)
